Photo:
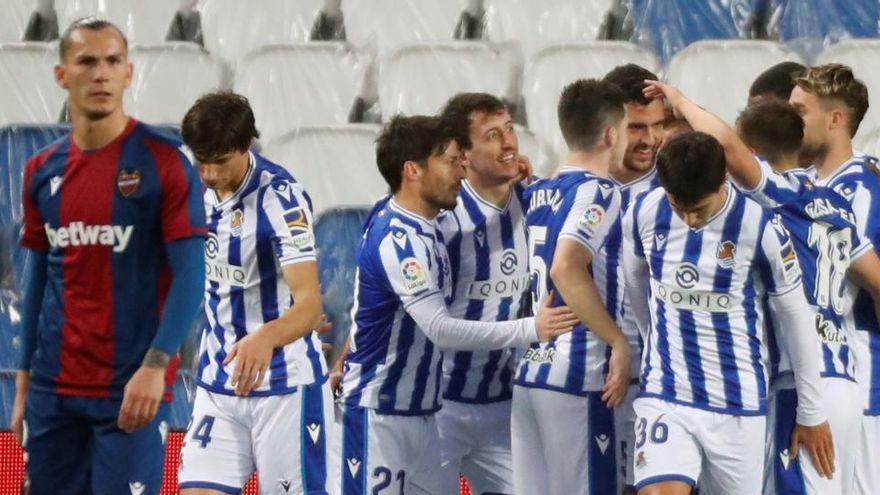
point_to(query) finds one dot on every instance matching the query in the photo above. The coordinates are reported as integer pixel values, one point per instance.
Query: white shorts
(784, 476)
(868, 463)
(475, 441)
(562, 444)
(284, 438)
(389, 454)
(679, 443)
(624, 423)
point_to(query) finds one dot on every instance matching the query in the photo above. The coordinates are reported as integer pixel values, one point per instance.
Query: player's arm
(865, 272)
(741, 163)
(253, 353)
(35, 274)
(636, 272)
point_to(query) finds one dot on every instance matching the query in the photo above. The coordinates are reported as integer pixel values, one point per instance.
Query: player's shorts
(389, 453)
(784, 476)
(475, 441)
(284, 438)
(681, 443)
(75, 447)
(624, 423)
(562, 444)
(867, 464)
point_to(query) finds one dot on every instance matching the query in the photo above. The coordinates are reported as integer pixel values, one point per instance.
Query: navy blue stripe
(687, 325)
(354, 450)
(393, 374)
(221, 378)
(236, 294)
(721, 321)
(313, 453)
(424, 373)
(662, 224)
(788, 481)
(602, 466)
(267, 267)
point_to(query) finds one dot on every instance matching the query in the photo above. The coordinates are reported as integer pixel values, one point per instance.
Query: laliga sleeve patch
(415, 279)
(791, 270)
(591, 219)
(300, 229)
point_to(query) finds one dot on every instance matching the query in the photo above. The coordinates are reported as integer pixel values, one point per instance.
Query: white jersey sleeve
(410, 268)
(774, 189)
(588, 222)
(288, 214)
(782, 271)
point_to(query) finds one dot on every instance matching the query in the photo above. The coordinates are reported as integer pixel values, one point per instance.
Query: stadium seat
(543, 160)
(301, 84)
(418, 79)
(864, 58)
(30, 95)
(533, 25)
(232, 28)
(336, 163)
(717, 74)
(14, 19)
(383, 25)
(338, 234)
(168, 78)
(144, 23)
(555, 66)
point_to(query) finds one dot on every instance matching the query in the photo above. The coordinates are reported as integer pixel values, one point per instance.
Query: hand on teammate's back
(141, 398)
(552, 322)
(617, 381)
(818, 443)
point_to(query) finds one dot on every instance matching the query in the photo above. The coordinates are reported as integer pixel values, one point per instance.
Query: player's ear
(610, 137)
(838, 118)
(411, 170)
(59, 76)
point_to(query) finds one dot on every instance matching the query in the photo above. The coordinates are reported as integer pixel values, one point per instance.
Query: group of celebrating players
(682, 306)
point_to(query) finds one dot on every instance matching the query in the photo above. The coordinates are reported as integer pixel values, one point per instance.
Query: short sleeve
(287, 210)
(783, 272)
(775, 189)
(406, 263)
(593, 213)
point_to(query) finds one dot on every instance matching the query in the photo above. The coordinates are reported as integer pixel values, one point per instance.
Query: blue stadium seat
(338, 234)
(839, 20)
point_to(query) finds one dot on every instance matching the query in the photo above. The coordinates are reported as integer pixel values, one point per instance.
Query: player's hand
(252, 356)
(16, 423)
(552, 322)
(818, 443)
(323, 325)
(657, 89)
(526, 171)
(617, 381)
(141, 398)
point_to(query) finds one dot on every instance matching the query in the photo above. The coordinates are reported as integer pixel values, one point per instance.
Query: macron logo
(80, 234)
(55, 184)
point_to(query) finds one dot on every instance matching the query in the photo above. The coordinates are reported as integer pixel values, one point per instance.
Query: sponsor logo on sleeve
(791, 270)
(415, 279)
(300, 229)
(591, 219)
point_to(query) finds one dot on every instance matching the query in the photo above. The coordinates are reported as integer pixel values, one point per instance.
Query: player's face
(225, 173)
(697, 214)
(493, 155)
(645, 131)
(442, 178)
(95, 72)
(817, 121)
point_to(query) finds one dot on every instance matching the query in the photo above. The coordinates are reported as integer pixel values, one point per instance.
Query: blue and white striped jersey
(585, 208)
(265, 225)
(626, 320)
(858, 184)
(822, 227)
(488, 256)
(392, 366)
(705, 346)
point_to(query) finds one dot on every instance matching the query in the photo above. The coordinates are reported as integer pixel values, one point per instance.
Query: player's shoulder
(57, 148)
(165, 144)
(278, 179)
(648, 201)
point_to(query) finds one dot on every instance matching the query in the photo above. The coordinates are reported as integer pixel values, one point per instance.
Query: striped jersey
(626, 320)
(392, 367)
(488, 258)
(265, 225)
(822, 228)
(705, 347)
(103, 218)
(585, 208)
(859, 185)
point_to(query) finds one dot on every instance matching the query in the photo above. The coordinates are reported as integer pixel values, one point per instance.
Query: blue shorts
(75, 447)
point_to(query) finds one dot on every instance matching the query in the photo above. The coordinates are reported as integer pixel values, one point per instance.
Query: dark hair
(459, 109)
(92, 24)
(413, 138)
(837, 82)
(777, 80)
(691, 167)
(217, 124)
(586, 108)
(630, 78)
(773, 128)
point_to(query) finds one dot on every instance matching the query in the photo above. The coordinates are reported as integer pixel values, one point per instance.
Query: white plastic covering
(418, 79)
(14, 19)
(142, 21)
(868, 141)
(543, 161)
(336, 164)
(382, 25)
(29, 92)
(168, 79)
(301, 84)
(556, 66)
(232, 28)
(863, 56)
(535, 24)
(717, 74)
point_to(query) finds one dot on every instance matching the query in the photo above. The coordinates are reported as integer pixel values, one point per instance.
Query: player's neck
(625, 175)
(839, 152)
(496, 194)
(596, 162)
(91, 134)
(786, 163)
(412, 202)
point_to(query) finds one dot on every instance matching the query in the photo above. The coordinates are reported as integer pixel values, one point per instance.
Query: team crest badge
(128, 181)
(235, 224)
(726, 254)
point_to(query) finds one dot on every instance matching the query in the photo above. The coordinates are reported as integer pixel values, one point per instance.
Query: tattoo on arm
(156, 359)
